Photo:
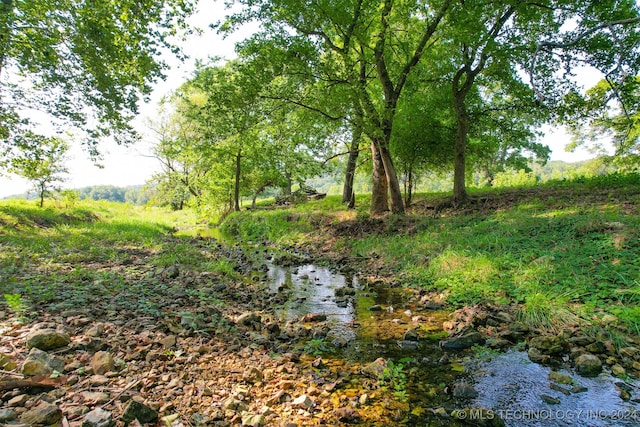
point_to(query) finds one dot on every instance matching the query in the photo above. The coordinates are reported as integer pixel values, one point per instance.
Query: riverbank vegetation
(562, 252)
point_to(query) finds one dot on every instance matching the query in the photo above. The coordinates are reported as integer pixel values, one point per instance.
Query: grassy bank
(562, 252)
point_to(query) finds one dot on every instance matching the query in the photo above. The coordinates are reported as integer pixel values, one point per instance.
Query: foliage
(41, 161)
(85, 63)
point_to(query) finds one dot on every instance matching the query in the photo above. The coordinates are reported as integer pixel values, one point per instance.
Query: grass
(98, 253)
(563, 251)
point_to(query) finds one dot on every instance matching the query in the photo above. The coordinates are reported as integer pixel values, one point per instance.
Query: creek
(366, 321)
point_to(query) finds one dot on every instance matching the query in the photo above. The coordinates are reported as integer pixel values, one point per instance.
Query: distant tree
(41, 161)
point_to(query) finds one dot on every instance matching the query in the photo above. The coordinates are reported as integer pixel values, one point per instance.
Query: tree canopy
(85, 63)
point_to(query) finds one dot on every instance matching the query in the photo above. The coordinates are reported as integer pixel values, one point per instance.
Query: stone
(463, 390)
(45, 413)
(248, 319)
(303, 402)
(560, 378)
(375, 308)
(252, 375)
(95, 397)
(550, 400)
(463, 342)
(19, 400)
(314, 317)
(41, 363)
(95, 331)
(411, 335)
(596, 347)
(7, 415)
(548, 344)
(537, 357)
(168, 341)
(339, 342)
(233, 404)
(347, 415)
(47, 339)
(253, 420)
(138, 411)
(98, 418)
(376, 369)
(6, 363)
(618, 371)
(102, 362)
(588, 365)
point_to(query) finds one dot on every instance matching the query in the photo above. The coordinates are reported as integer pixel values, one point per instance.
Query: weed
(316, 347)
(393, 377)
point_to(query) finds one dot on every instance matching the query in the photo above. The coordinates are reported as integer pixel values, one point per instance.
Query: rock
(375, 308)
(596, 347)
(98, 418)
(550, 400)
(102, 362)
(560, 378)
(252, 375)
(341, 292)
(480, 417)
(580, 341)
(314, 317)
(609, 319)
(463, 342)
(7, 415)
(45, 413)
(303, 402)
(19, 400)
(339, 342)
(588, 365)
(463, 390)
(408, 345)
(556, 387)
(95, 331)
(249, 319)
(548, 344)
(376, 369)
(6, 363)
(618, 370)
(233, 404)
(253, 420)
(41, 363)
(432, 305)
(140, 412)
(411, 335)
(537, 357)
(95, 397)
(347, 415)
(47, 339)
(168, 341)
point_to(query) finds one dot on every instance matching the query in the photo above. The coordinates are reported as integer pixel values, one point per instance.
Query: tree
(610, 112)
(86, 63)
(41, 161)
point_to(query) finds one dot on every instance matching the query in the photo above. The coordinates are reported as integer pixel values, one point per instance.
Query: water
(511, 385)
(312, 290)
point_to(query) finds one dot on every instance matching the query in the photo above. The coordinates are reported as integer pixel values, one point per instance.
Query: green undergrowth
(104, 254)
(564, 252)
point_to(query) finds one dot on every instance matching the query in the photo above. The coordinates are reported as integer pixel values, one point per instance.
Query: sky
(125, 166)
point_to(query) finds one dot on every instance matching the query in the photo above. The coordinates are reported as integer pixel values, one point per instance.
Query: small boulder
(44, 414)
(252, 375)
(98, 418)
(138, 411)
(41, 363)
(376, 369)
(588, 365)
(303, 402)
(47, 339)
(548, 344)
(102, 362)
(463, 342)
(463, 390)
(253, 420)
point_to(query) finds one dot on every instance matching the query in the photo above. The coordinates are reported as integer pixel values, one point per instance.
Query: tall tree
(86, 63)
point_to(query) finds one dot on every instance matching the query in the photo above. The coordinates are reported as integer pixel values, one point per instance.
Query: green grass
(561, 251)
(98, 253)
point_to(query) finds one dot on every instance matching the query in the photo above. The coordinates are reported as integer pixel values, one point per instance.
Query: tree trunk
(352, 162)
(288, 190)
(395, 193)
(460, 146)
(236, 190)
(409, 188)
(379, 198)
